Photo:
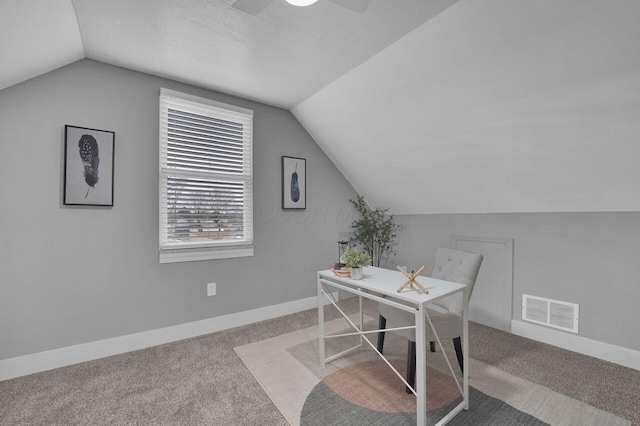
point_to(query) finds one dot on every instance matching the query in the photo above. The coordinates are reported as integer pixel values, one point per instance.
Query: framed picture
(88, 166)
(294, 183)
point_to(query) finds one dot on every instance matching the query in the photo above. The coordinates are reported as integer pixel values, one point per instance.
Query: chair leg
(432, 346)
(382, 324)
(458, 346)
(411, 365)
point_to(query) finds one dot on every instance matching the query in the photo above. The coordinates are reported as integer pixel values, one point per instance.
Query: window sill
(171, 256)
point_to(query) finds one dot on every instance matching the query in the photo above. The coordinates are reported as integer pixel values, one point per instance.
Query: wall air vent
(552, 313)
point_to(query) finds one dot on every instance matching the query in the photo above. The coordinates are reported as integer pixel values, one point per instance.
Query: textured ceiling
(425, 106)
(280, 56)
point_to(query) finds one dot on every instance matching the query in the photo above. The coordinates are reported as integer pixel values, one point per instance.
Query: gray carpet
(604, 385)
(202, 381)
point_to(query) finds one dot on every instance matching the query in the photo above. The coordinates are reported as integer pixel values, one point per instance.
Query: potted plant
(356, 260)
(374, 231)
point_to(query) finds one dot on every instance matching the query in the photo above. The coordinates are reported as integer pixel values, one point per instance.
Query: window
(206, 187)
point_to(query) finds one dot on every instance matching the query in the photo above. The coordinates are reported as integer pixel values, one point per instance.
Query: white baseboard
(612, 353)
(42, 361)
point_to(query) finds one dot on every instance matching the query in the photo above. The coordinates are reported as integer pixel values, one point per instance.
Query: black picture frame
(294, 183)
(88, 166)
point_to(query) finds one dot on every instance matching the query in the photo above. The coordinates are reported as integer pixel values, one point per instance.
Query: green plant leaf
(374, 231)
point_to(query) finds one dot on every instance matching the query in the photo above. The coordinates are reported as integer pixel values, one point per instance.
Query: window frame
(191, 251)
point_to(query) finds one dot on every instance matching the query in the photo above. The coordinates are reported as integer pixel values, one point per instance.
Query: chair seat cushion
(449, 325)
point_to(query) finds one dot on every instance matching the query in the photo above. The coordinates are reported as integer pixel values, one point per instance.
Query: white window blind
(206, 187)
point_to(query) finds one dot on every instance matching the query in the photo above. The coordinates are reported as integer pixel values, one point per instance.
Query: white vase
(357, 273)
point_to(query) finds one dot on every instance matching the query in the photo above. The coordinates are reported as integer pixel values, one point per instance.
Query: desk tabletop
(387, 282)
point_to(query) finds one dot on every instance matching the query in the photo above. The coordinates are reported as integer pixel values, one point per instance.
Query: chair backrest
(457, 266)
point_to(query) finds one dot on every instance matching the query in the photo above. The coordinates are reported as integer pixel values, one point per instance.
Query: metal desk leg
(465, 346)
(321, 324)
(421, 368)
(361, 319)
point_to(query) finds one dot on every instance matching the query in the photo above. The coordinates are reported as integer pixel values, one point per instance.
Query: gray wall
(592, 259)
(70, 275)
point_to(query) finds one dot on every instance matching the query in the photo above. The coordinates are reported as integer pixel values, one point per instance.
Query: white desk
(385, 282)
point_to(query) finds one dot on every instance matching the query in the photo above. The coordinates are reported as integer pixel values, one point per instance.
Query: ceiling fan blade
(252, 7)
(355, 5)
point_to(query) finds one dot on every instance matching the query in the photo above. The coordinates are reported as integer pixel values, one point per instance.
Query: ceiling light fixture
(301, 2)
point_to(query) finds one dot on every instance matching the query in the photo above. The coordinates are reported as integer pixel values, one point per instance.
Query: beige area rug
(361, 389)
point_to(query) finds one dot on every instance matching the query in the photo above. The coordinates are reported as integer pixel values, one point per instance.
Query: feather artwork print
(88, 147)
(295, 186)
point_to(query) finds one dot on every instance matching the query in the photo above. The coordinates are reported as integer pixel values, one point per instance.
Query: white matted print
(294, 183)
(88, 166)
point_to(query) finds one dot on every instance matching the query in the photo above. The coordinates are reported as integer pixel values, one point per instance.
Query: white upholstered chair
(446, 314)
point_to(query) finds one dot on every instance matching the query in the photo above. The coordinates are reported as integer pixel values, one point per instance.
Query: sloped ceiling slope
(494, 106)
(37, 36)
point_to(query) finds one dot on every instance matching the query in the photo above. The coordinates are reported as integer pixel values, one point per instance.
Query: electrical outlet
(211, 289)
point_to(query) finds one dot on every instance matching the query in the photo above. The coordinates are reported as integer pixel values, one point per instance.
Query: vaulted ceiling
(426, 106)
(279, 56)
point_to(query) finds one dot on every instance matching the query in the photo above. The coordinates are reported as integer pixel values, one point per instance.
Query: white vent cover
(551, 313)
